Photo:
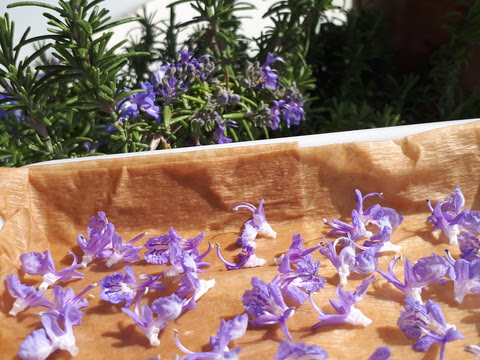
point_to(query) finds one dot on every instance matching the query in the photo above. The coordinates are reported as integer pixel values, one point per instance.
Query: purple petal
(382, 353)
(168, 308)
(36, 346)
(298, 351)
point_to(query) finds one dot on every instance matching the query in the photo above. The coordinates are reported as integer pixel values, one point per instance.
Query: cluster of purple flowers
(257, 225)
(184, 257)
(171, 249)
(169, 81)
(426, 324)
(103, 242)
(290, 110)
(61, 314)
(462, 227)
(361, 259)
(289, 104)
(172, 80)
(167, 308)
(298, 276)
(265, 303)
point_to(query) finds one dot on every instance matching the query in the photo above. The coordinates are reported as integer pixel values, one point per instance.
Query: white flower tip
(459, 298)
(43, 286)
(454, 241)
(389, 247)
(91, 296)
(73, 350)
(18, 306)
(278, 260)
(267, 230)
(356, 317)
(324, 220)
(254, 261)
(154, 341)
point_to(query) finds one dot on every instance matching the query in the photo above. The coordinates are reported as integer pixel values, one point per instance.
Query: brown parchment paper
(45, 207)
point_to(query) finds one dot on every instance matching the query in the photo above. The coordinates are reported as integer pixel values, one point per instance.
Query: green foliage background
(64, 99)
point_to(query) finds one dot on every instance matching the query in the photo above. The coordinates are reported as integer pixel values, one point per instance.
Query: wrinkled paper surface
(46, 207)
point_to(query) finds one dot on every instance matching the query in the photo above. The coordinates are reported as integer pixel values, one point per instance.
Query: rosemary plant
(79, 95)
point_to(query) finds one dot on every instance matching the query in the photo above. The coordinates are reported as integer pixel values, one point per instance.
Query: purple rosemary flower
(269, 75)
(347, 312)
(299, 351)
(428, 270)
(355, 231)
(74, 301)
(473, 349)
(376, 214)
(34, 263)
(185, 55)
(265, 304)
(221, 131)
(167, 308)
(124, 251)
(454, 202)
(291, 282)
(158, 250)
(56, 334)
(190, 284)
(466, 277)
(382, 239)
(348, 260)
(158, 75)
(25, 296)
(228, 331)
(118, 287)
(275, 112)
(297, 252)
(469, 246)
(247, 260)
(293, 112)
(99, 242)
(447, 215)
(144, 101)
(250, 231)
(382, 353)
(426, 320)
(258, 224)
